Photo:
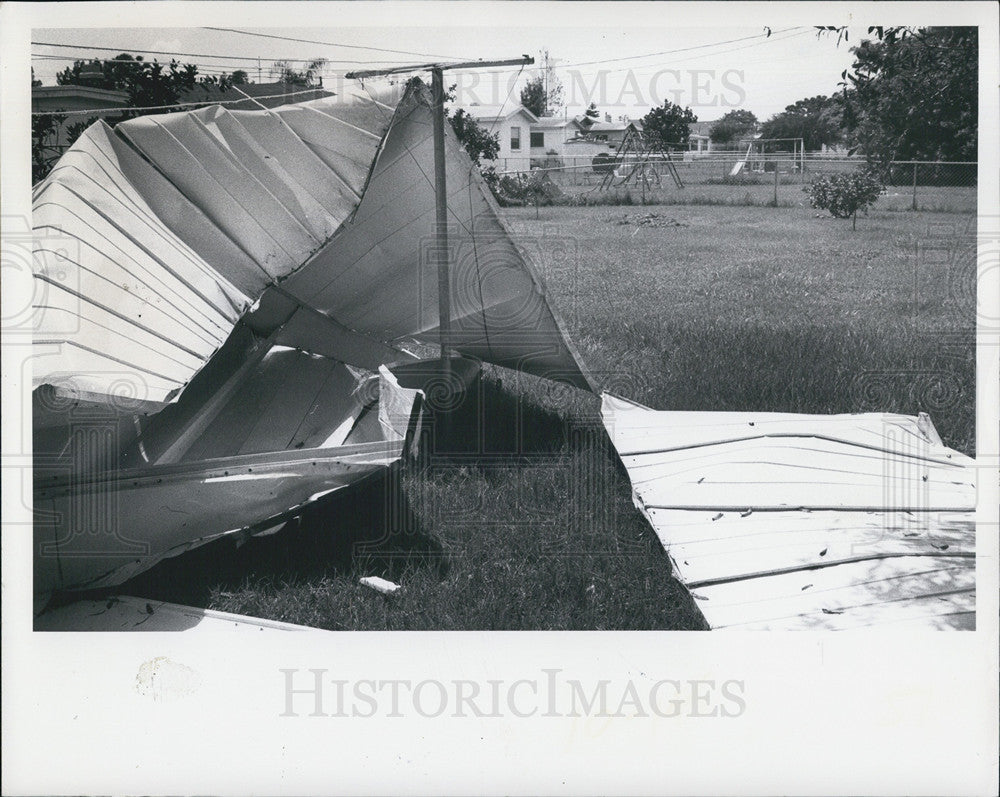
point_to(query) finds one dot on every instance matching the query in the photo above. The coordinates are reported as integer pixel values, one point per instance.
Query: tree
(912, 94)
(816, 120)
(34, 81)
(479, 142)
(733, 126)
(533, 96)
(148, 83)
(239, 78)
(670, 123)
(845, 194)
(45, 147)
(285, 72)
(543, 94)
(592, 112)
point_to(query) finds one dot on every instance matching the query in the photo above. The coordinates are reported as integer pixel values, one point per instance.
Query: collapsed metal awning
(312, 222)
(218, 294)
(784, 521)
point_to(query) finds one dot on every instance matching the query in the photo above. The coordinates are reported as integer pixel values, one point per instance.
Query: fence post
(914, 185)
(776, 182)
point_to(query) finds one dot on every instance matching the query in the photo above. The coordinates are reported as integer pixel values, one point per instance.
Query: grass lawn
(733, 308)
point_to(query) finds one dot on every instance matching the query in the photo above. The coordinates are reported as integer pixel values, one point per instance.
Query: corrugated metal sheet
(266, 264)
(154, 239)
(788, 521)
(98, 527)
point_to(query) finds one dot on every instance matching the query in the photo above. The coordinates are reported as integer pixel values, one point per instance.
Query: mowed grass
(788, 310)
(739, 308)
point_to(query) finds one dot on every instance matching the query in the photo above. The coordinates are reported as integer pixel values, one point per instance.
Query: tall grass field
(700, 307)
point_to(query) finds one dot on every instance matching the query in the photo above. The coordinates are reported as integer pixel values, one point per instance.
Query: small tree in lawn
(845, 194)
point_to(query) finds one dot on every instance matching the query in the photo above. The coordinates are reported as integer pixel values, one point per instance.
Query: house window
(515, 137)
(538, 139)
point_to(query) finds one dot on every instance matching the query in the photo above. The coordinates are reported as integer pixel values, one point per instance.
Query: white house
(550, 134)
(525, 139)
(513, 124)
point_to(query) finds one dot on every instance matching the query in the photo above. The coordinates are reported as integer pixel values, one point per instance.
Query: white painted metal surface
(98, 529)
(152, 240)
(787, 521)
(127, 613)
(266, 265)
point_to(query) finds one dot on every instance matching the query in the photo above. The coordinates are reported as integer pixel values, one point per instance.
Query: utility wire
(143, 51)
(340, 44)
(654, 65)
(680, 50)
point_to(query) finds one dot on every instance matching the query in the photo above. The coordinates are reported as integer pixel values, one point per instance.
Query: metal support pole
(776, 180)
(441, 230)
(914, 185)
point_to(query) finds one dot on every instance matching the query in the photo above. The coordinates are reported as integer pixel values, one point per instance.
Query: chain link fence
(734, 178)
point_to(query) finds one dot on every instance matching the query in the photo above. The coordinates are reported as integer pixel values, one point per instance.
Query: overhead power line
(764, 36)
(153, 52)
(341, 44)
(81, 48)
(654, 65)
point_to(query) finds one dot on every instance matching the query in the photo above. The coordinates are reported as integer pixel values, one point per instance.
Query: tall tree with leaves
(736, 124)
(816, 120)
(912, 94)
(147, 83)
(542, 95)
(533, 96)
(669, 122)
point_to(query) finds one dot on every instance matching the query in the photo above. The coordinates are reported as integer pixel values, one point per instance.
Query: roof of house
(270, 95)
(556, 121)
(51, 93)
(492, 112)
(701, 128)
(614, 127)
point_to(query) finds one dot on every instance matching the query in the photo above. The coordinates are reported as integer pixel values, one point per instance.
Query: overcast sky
(713, 69)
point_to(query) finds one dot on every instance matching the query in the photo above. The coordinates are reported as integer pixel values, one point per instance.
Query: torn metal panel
(223, 290)
(102, 531)
(97, 527)
(127, 613)
(782, 521)
(153, 240)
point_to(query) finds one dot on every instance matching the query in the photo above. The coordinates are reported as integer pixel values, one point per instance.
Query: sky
(624, 68)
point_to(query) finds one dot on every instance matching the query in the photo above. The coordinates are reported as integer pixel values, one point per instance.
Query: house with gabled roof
(512, 123)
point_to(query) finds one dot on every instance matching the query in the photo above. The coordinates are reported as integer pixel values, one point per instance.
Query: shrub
(845, 194)
(535, 188)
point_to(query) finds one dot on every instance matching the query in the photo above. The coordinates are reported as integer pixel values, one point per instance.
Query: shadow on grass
(367, 529)
(533, 531)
